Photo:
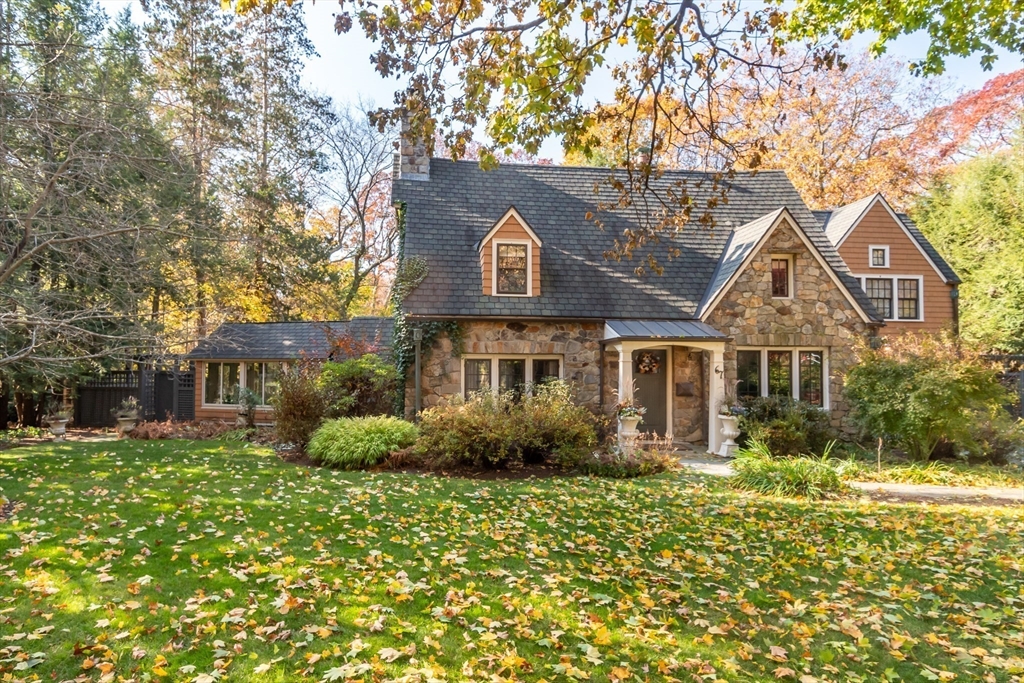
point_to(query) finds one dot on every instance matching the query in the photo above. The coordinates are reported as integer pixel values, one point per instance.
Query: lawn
(200, 561)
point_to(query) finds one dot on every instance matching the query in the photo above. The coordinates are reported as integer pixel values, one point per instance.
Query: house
(763, 301)
(252, 355)
(910, 285)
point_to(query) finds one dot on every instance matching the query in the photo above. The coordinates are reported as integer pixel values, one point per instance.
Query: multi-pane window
(780, 278)
(908, 299)
(811, 377)
(264, 379)
(879, 290)
(879, 257)
(748, 374)
(512, 376)
(512, 270)
(220, 385)
(478, 375)
(780, 373)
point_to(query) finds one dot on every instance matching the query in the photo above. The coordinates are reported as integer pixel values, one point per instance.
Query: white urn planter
(730, 431)
(628, 433)
(58, 427)
(125, 425)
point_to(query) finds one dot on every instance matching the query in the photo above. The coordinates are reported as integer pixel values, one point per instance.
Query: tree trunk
(5, 402)
(28, 409)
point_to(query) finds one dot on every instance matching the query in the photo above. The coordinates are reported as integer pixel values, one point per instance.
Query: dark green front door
(650, 374)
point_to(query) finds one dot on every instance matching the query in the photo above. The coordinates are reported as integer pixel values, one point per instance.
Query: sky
(343, 70)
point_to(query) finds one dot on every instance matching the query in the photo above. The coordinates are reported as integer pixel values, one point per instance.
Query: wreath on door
(648, 363)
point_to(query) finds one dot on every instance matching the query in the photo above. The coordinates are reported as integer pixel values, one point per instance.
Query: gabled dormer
(510, 258)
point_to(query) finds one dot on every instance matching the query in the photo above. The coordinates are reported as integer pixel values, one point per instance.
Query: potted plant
(57, 417)
(247, 402)
(126, 414)
(727, 413)
(630, 414)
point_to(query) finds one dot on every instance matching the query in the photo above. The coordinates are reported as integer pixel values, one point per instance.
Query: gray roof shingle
(289, 341)
(447, 215)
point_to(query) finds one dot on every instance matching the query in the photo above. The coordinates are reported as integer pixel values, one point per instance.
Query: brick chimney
(412, 162)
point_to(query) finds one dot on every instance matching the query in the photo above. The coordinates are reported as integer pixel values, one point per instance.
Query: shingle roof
(839, 221)
(447, 215)
(742, 242)
(936, 258)
(287, 341)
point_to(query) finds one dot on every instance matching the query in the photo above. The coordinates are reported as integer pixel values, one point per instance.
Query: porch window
(780, 373)
(748, 374)
(811, 377)
(220, 384)
(512, 269)
(780, 277)
(264, 379)
(478, 375)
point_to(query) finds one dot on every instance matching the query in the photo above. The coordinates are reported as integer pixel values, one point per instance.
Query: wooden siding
(878, 228)
(509, 230)
(224, 413)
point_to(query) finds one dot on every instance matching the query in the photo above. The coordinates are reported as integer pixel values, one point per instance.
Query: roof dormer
(510, 257)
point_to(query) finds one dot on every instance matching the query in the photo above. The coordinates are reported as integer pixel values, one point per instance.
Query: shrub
(785, 426)
(616, 463)
(500, 431)
(920, 390)
(299, 406)
(756, 469)
(359, 386)
(359, 442)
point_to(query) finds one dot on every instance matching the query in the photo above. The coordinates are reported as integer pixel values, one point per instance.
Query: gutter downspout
(600, 378)
(417, 337)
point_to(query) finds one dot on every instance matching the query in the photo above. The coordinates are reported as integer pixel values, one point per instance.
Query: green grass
(935, 473)
(177, 561)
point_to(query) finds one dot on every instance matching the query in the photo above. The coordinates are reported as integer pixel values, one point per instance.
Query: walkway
(925, 492)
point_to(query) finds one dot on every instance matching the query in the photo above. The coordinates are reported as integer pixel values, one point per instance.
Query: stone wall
(818, 316)
(689, 412)
(578, 344)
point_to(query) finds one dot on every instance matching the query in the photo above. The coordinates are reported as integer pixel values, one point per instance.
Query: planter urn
(125, 425)
(58, 427)
(730, 431)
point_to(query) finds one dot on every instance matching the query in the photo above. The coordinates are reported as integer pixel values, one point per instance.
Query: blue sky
(343, 70)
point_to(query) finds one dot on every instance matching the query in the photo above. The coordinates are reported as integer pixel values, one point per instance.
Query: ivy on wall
(410, 273)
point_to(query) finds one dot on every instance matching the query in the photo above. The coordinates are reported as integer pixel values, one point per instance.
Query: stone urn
(124, 426)
(730, 431)
(58, 426)
(627, 425)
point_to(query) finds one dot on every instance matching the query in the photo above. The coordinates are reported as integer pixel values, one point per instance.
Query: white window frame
(896, 294)
(794, 359)
(494, 266)
(243, 369)
(495, 357)
(791, 285)
(871, 255)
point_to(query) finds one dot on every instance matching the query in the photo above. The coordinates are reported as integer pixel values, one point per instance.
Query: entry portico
(660, 370)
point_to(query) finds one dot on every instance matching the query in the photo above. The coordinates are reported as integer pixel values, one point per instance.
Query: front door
(650, 374)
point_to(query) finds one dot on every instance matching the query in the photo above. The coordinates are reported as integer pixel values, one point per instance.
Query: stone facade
(578, 345)
(819, 315)
(689, 394)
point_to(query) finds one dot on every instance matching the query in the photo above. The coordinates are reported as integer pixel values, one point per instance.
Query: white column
(716, 392)
(625, 372)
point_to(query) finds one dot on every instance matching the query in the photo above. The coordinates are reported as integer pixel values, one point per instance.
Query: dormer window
(513, 268)
(510, 258)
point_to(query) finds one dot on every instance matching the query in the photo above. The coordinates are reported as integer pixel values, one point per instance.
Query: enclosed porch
(675, 369)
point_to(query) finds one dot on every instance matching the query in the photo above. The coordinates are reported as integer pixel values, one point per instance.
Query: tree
(975, 217)
(358, 189)
(85, 180)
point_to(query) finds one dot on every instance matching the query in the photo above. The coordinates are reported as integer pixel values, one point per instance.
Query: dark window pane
(879, 290)
(512, 375)
(748, 372)
(478, 375)
(909, 299)
(512, 269)
(878, 258)
(811, 377)
(229, 383)
(780, 277)
(780, 373)
(211, 383)
(271, 381)
(254, 378)
(545, 370)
